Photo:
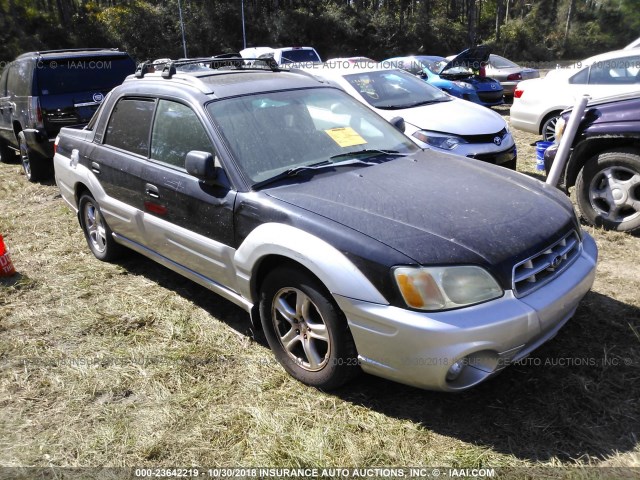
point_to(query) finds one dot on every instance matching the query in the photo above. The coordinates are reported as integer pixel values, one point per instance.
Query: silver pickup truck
(352, 249)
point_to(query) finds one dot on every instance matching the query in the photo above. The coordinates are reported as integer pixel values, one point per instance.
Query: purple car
(604, 164)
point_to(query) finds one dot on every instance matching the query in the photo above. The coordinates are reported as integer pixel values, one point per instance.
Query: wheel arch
(79, 190)
(272, 244)
(592, 147)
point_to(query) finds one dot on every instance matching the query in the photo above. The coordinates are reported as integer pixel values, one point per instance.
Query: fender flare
(338, 274)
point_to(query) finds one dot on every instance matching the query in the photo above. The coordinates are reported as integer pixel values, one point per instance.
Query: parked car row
(352, 248)
(431, 118)
(462, 76)
(604, 161)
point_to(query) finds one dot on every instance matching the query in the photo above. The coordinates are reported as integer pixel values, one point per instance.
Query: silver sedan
(509, 74)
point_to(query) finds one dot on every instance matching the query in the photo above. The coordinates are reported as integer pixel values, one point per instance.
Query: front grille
(485, 138)
(490, 97)
(543, 267)
(498, 158)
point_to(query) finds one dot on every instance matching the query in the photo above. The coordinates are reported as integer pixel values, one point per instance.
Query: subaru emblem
(98, 97)
(493, 86)
(497, 140)
(555, 263)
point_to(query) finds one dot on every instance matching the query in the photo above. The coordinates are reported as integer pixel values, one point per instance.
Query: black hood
(472, 58)
(441, 209)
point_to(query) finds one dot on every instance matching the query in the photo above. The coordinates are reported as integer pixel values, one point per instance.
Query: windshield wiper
(292, 172)
(369, 152)
(429, 102)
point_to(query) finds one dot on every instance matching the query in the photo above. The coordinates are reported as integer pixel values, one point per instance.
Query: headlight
(439, 140)
(440, 288)
(466, 85)
(561, 124)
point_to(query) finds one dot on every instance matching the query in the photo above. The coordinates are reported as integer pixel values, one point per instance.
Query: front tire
(608, 190)
(96, 231)
(306, 330)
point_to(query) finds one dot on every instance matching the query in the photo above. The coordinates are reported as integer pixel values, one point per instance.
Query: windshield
(434, 64)
(270, 133)
(299, 56)
(394, 89)
(70, 75)
(496, 61)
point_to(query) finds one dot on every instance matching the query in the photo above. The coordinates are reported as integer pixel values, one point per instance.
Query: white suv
(537, 103)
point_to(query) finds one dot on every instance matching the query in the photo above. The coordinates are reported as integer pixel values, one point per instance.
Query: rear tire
(35, 167)
(549, 128)
(306, 330)
(608, 190)
(96, 231)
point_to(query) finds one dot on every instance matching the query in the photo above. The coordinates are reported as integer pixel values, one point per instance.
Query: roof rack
(70, 50)
(225, 60)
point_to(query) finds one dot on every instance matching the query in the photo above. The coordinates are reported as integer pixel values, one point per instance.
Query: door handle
(95, 167)
(151, 190)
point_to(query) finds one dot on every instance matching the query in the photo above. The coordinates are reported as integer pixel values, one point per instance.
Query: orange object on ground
(6, 265)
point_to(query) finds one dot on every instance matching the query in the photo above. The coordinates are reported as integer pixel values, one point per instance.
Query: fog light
(455, 370)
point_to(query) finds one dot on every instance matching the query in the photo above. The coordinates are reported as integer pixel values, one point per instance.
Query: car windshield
(394, 89)
(434, 64)
(275, 132)
(299, 56)
(496, 61)
(69, 75)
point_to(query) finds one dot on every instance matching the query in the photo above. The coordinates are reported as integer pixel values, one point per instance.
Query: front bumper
(504, 154)
(419, 348)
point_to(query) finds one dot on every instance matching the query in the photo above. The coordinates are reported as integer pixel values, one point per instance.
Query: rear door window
(129, 125)
(19, 82)
(69, 75)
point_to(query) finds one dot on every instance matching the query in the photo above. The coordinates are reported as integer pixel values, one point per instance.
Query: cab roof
(231, 82)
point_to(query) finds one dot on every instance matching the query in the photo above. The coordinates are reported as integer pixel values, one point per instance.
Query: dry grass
(130, 365)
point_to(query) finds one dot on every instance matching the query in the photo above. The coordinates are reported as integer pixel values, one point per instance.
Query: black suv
(41, 92)
(349, 245)
(604, 164)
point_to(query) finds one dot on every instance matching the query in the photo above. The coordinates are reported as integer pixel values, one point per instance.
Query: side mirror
(201, 165)
(398, 122)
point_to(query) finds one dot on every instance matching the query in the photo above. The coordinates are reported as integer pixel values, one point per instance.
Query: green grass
(130, 365)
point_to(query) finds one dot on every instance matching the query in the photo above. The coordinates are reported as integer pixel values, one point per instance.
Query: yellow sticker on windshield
(345, 136)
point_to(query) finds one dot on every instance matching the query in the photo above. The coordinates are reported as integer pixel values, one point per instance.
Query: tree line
(524, 30)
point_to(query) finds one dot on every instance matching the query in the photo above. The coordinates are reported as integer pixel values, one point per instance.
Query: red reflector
(55, 145)
(514, 76)
(518, 93)
(155, 208)
(483, 72)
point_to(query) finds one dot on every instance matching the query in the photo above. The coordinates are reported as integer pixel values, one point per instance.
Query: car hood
(472, 58)
(441, 209)
(459, 117)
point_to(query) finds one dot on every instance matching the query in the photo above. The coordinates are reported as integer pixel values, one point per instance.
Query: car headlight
(561, 124)
(442, 288)
(439, 140)
(466, 85)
